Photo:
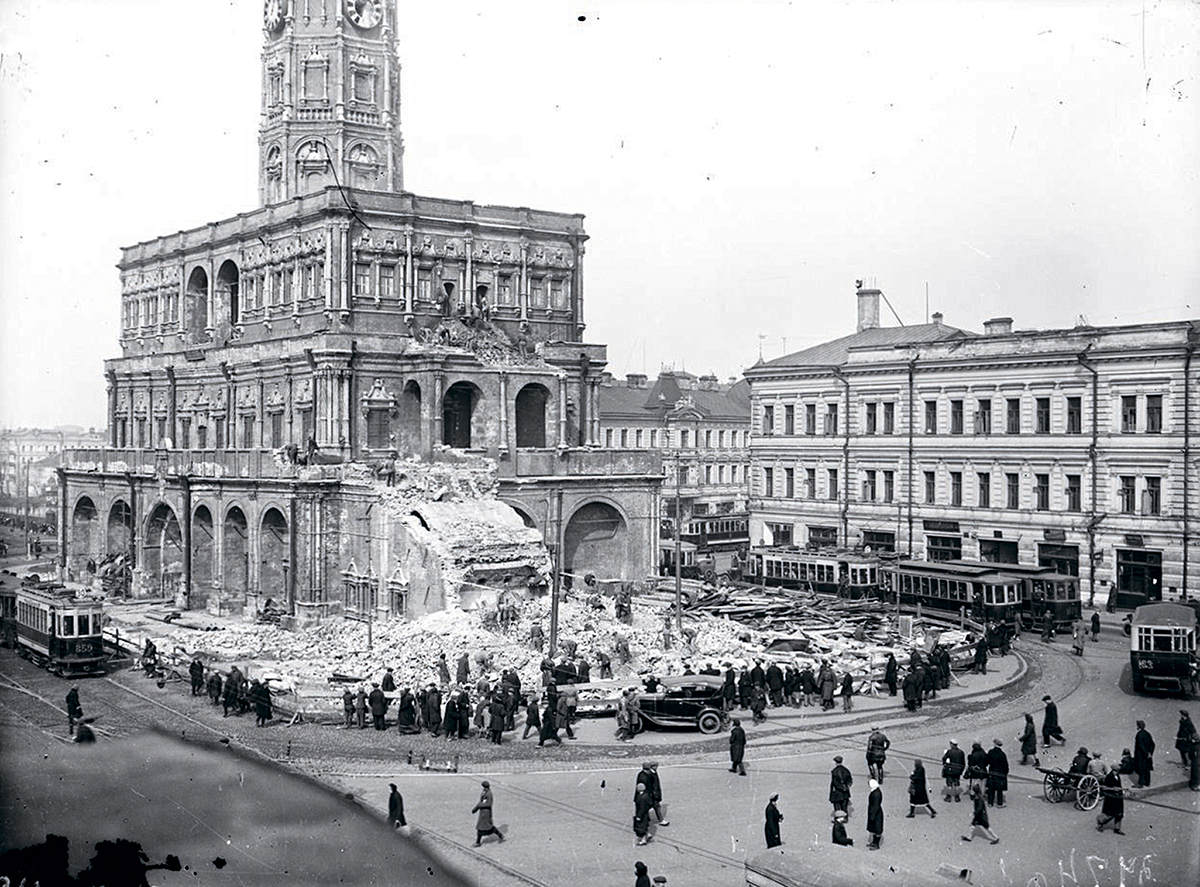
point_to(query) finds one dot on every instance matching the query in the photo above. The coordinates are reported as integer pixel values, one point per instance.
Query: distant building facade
(701, 429)
(1074, 448)
(30, 456)
(345, 320)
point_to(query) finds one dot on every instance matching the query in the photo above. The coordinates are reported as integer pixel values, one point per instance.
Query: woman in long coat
(891, 673)
(262, 704)
(1028, 739)
(918, 791)
(979, 817)
(450, 718)
(1114, 802)
(642, 805)
(977, 765)
(771, 825)
(875, 815)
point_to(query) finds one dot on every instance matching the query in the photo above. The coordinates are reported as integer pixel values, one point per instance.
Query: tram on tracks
(8, 613)
(1042, 589)
(845, 573)
(1162, 651)
(58, 630)
(986, 592)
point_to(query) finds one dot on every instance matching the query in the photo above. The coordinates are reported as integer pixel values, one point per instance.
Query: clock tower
(330, 98)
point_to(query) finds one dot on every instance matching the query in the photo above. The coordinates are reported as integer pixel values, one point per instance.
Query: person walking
(737, 748)
(642, 806)
(74, 710)
(395, 807)
(1028, 739)
(877, 746)
(847, 692)
(484, 825)
(979, 817)
(1095, 625)
(918, 791)
(1143, 754)
(532, 720)
(954, 762)
(1050, 726)
(214, 688)
(642, 874)
(771, 826)
(1077, 634)
(1113, 809)
(875, 815)
(262, 704)
(648, 776)
(1185, 739)
(840, 782)
(997, 778)
(563, 713)
(840, 838)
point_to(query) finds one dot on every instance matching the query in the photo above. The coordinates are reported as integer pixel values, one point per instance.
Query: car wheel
(709, 722)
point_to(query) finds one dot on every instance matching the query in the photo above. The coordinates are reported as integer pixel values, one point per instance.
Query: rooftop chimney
(708, 383)
(635, 380)
(606, 378)
(868, 308)
(937, 318)
(997, 326)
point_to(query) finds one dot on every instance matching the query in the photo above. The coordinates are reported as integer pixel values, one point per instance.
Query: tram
(1042, 589)
(986, 592)
(845, 573)
(1162, 651)
(59, 631)
(8, 613)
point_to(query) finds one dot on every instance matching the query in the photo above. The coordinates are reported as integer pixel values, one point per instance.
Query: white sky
(740, 162)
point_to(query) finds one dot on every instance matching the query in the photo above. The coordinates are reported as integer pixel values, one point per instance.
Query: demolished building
(280, 367)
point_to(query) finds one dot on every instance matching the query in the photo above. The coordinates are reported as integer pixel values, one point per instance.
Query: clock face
(364, 13)
(273, 14)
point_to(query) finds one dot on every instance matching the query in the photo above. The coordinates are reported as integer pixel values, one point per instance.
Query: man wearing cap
(997, 779)
(875, 815)
(771, 826)
(378, 707)
(648, 776)
(484, 824)
(737, 748)
(840, 781)
(839, 830)
(395, 807)
(1143, 754)
(954, 762)
(1050, 727)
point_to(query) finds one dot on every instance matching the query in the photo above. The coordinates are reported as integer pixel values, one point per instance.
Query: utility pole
(678, 573)
(558, 500)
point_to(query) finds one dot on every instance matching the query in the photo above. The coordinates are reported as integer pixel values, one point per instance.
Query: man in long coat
(464, 714)
(729, 690)
(433, 710)
(1050, 727)
(642, 805)
(395, 807)
(912, 690)
(737, 748)
(464, 669)
(406, 713)
(758, 677)
(891, 673)
(378, 707)
(774, 678)
(771, 826)
(1114, 801)
(74, 710)
(648, 776)
(840, 781)
(1143, 754)
(875, 815)
(997, 779)
(484, 824)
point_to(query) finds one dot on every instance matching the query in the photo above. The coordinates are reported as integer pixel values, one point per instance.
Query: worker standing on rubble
(605, 665)
(443, 670)
(464, 669)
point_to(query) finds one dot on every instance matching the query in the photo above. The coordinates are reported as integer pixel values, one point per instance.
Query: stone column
(562, 411)
(523, 294)
(504, 442)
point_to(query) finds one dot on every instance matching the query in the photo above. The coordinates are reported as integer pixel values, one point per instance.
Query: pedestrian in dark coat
(549, 722)
(463, 670)
(840, 837)
(758, 705)
(745, 690)
(642, 806)
(758, 677)
(378, 707)
(954, 763)
(214, 688)
(648, 776)
(464, 715)
(840, 782)
(997, 779)
(912, 690)
(1096, 630)
(929, 679)
(262, 704)
(1113, 809)
(808, 685)
(771, 826)
(729, 690)
(443, 670)
(395, 807)
(584, 671)
(918, 791)
(981, 656)
(891, 673)
(1143, 754)
(977, 765)
(877, 746)
(774, 678)
(450, 718)
(643, 874)
(196, 670)
(348, 706)
(875, 815)
(229, 699)
(532, 720)
(484, 824)
(827, 687)
(496, 715)
(360, 708)
(433, 710)
(737, 748)
(979, 817)
(1028, 739)
(389, 682)
(1050, 727)
(847, 692)
(74, 710)
(563, 714)
(1185, 738)
(406, 713)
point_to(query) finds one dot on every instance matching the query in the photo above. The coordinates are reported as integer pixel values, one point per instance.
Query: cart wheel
(1087, 793)
(1054, 787)
(709, 722)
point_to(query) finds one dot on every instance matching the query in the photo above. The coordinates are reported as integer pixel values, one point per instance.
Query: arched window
(531, 415)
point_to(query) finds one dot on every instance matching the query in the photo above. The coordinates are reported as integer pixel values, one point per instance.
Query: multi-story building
(701, 428)
(29, 457)
(1065, 447)
(346, 320)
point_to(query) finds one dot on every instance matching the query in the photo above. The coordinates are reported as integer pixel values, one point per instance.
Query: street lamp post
(678, 573)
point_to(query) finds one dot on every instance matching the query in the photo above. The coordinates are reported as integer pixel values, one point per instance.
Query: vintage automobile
(685, 701)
